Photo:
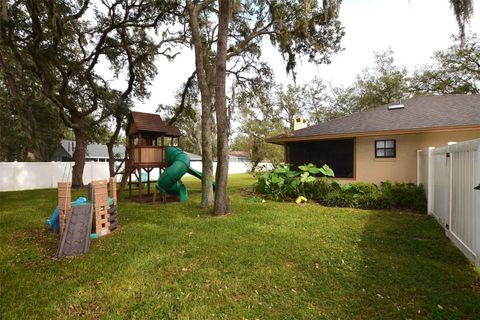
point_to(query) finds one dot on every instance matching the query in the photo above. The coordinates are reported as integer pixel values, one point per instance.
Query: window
(385, 149)
(338, 154)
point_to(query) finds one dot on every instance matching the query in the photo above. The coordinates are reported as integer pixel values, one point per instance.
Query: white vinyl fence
(40, 175)
(450, 176)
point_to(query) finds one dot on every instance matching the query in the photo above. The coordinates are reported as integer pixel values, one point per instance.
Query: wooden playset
(147, 139)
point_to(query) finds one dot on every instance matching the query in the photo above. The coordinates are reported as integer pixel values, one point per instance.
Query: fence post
(430, 179)
(450, 185)
(14, 176)
(476, 245)
(52, 174)
(450, 189)
(418, 167)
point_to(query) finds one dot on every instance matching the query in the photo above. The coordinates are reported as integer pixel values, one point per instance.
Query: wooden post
(148, 181)
(129, 184)
(139, 183)
(139, 147)
(64, 204)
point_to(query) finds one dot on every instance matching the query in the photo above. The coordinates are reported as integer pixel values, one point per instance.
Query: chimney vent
(300, 123)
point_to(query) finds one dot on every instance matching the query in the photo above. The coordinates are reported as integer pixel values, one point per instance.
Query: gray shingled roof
(194, 157)
(421, 112)
(100, 151)
(94, 150)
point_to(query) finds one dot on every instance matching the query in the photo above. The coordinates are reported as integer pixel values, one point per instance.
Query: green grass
(265, 260)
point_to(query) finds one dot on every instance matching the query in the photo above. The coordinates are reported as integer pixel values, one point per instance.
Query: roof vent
(396, 106)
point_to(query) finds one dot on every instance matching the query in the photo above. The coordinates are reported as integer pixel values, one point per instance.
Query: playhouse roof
(150, 123)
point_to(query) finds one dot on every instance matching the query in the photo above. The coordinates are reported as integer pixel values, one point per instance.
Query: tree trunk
(207, 157)
(79, 153)
(222, 203)
(111, 159)
(111, 143)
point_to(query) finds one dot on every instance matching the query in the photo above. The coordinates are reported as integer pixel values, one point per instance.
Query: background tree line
(272, 109)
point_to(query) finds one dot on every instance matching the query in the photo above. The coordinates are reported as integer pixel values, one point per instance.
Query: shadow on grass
(411, 270)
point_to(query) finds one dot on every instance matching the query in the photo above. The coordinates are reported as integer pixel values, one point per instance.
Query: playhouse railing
(147, 154)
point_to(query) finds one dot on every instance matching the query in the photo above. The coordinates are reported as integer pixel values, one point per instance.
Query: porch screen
(338, 154)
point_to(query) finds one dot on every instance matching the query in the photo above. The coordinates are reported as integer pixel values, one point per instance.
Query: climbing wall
(101, 207)
(113, 190)
(112, 212)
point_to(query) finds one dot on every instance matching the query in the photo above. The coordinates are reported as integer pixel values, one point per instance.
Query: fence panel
(453, 172)
(465, 200)
(39, 175)
(422, 173)
(440, 181)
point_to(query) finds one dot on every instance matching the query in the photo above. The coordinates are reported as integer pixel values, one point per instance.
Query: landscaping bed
(284, 183)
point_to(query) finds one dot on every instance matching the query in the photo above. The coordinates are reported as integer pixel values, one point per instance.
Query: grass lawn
(270, 260)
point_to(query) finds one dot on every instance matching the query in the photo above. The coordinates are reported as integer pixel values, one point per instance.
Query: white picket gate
(450, 176)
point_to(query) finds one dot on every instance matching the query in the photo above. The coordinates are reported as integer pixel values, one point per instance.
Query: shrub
(340, 198)
(360, 187)
(317, 189)
(405, 195)
(370, 196)
(283, 183)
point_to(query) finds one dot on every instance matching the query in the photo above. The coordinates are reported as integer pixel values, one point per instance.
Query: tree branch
(181, 107)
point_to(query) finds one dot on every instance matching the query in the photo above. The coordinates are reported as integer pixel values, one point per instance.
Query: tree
(310, 100)
(306, 29)
(260, 117)
(384, 83)
(34, 127)
(455, 70)
(222, 202)
(205, 75)
(316, 101)
(186, 115)
(289, 100)
(463, 11)
(61, 50)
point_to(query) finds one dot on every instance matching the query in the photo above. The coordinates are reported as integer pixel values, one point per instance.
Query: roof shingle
(421, 112)
(151, 122)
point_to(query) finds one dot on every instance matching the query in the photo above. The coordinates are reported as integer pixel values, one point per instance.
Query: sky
(413, 29)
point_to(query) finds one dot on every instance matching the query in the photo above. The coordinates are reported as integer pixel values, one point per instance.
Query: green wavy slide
(178, 164)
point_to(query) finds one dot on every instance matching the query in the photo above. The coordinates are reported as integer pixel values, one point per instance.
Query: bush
(318, 189)
(282, 183)
(370, 196)
(405, 195)
(340, 198)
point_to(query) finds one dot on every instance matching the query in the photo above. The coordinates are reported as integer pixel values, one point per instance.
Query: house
(194, 157)
(381, 143)
(95, 152)
(239, 156)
